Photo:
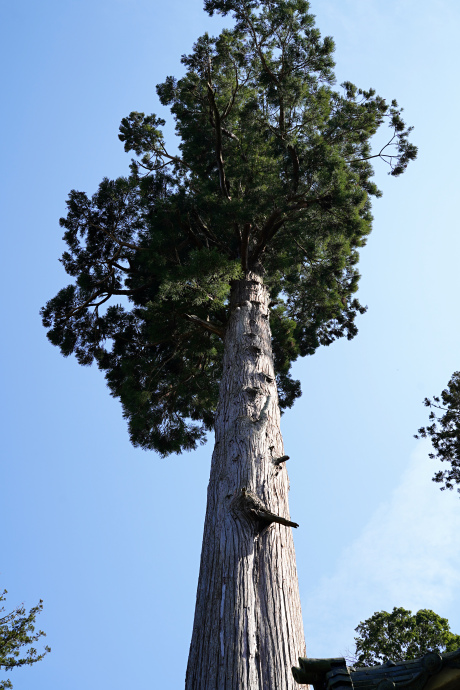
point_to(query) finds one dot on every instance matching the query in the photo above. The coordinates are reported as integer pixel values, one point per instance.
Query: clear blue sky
(110, 536)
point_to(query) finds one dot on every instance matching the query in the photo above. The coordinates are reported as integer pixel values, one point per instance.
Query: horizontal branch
(206, 325)
(278, 461)
(116, 239)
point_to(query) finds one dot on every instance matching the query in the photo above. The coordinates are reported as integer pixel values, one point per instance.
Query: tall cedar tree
(233, 256)
(444, 432)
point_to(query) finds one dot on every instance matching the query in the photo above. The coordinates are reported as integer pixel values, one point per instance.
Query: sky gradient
(110, 536)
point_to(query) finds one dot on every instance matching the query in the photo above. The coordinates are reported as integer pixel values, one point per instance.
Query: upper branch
(274, 222)
(216, 123)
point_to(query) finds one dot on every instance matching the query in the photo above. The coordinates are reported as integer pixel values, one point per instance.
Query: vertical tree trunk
(248, 628)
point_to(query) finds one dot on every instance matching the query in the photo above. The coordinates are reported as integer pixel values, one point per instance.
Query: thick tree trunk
(248, 628)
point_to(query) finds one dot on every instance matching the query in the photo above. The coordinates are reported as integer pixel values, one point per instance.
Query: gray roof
(432, 671)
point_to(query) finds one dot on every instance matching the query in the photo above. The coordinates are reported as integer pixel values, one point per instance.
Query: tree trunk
(248, 630)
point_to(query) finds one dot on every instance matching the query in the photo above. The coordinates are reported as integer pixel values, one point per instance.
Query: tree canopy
(17, 631)
(273, 173)
(444, 432)
(402, 635)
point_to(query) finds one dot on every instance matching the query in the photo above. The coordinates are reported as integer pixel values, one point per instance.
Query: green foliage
(273, 174)
(402, 635)
(17, 631)
(444, 432)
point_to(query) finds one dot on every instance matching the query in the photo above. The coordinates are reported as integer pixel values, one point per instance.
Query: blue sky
(110, 536)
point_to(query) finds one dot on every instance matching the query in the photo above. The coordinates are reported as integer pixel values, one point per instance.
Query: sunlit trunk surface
(248, 628)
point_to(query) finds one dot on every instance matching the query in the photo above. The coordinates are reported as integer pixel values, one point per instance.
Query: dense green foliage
(273, 174)
(444, 432)
(17, 631)
(402, 635)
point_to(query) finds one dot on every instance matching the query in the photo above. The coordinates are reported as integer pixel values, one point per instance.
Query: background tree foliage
(444, 432)
(273, 172)
(17, 631)
(402, 635)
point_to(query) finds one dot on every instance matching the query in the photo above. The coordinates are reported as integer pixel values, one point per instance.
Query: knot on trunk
(262, 419)
(249, 506)
(253, 391)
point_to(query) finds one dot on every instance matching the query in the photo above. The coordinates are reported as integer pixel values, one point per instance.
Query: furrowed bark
(248, 628)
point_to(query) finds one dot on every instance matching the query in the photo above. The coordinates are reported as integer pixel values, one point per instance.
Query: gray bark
(248, 628)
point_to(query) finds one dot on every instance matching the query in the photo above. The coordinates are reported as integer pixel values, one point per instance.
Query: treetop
(273, 173)
(401, 634)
